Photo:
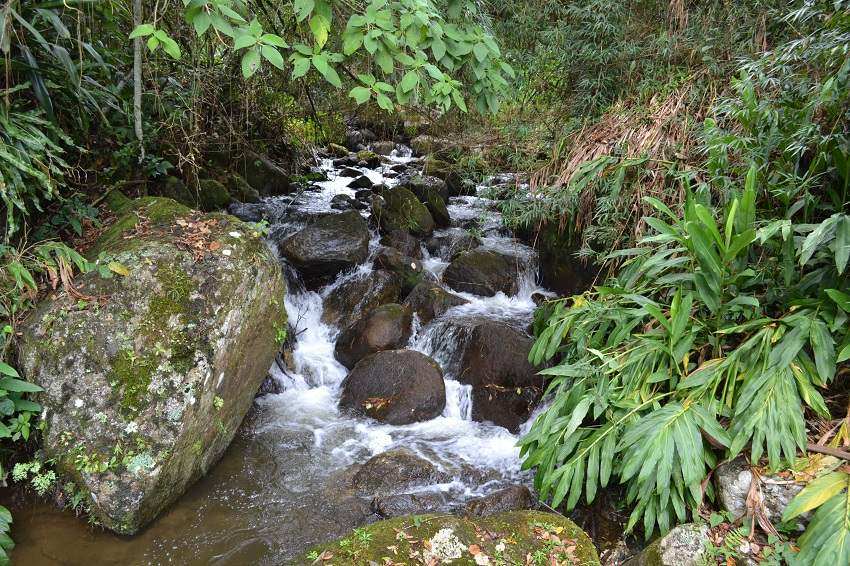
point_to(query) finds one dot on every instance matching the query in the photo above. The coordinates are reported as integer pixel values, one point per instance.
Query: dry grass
(657, 135)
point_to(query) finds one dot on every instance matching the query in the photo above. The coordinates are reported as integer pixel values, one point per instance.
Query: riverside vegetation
(649, 309)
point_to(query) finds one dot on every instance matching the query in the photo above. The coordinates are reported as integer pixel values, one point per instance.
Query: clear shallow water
(275, 492)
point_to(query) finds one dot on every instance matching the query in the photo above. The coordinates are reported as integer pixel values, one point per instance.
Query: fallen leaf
(474, 549)
(214, 246)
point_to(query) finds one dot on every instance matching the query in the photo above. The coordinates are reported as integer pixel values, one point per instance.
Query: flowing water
(274, 493)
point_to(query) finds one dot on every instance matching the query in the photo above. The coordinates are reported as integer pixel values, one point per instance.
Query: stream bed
(275, 491)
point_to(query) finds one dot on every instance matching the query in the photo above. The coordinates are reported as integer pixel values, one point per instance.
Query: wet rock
(350, 172)
(560, 269)
(342, 202)
(448, 539)
(403, 242)
(396, 387)
(401, 210)
(361, 182)
(386, 327)
(354, 139)
(682, 546)
(363, 195)
(241, 190)
(733, 481)
(450, 175)
(447, 244)
(513, 498)
(347, 161)
(483, 272)
(382, 147)
(368, 159)
(505, 386)
(337, 150)
(333, 243)
(424, 185)
(400, 168)
(268, 178)
(269, 386)
(165, 370)
(212, 195)
(389, 506)
(175, 188)
(428, 300)
(248, 212)
(395, 471)
(409, 271)
(344, 303)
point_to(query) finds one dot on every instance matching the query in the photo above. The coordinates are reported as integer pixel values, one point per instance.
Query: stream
(275, 491)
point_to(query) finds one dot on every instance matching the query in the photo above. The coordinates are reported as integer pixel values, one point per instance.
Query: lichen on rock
(147, 380)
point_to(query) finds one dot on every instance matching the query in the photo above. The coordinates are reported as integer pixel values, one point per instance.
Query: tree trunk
(137, 79)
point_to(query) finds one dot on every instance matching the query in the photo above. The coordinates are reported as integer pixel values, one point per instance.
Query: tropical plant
(699, 347)
(413, 50)
(827, 537)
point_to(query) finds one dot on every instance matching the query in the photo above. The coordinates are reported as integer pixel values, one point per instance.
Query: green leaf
(842, 244)
(481, 52)
(6, 369)
(320, 26)
(351, 42)
(244, 40)
(438, 48)
(816, 493)
(409, 81)
(273, 56)
(250, 62)
(19, 385)
(303, 8)
(385, 102)
(142, 30)
(201, 23)
(272, 39)
(320, 62)
(300, 66)
(360, 94)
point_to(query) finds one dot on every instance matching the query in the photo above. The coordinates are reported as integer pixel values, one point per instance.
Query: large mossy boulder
(264, 175)
(147, 376)
(400, 209)
(396, 387)
(504, 538)
(387, 327)
(505, 386)
(331, 244)
(484, 272)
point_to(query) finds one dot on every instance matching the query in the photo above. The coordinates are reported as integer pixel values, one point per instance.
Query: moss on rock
(504, 538)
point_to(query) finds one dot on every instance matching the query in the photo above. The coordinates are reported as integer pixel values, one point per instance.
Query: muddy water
(275, 491)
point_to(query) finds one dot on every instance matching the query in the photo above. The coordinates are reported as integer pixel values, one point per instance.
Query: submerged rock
(512, 498)
(147, 380)
(428, 300)
(401, 210)
(361, 293)
(389, 506)
(504, 538)
(396, 387)
(505, 386)
(384, 328)
(483, 272)
(395, 471)
(331, 244)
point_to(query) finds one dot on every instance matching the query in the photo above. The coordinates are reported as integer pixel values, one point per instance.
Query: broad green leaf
(244, 40)
(816, 493)
(273, 56)
(385, 102)
(250, 62)
(320, 62)
(360, 94)
(118, 268)
(303, 8)
(6, 369)
(320, 26)
(409, 81)
(19, 385)
(142, 30)
(300, 66)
